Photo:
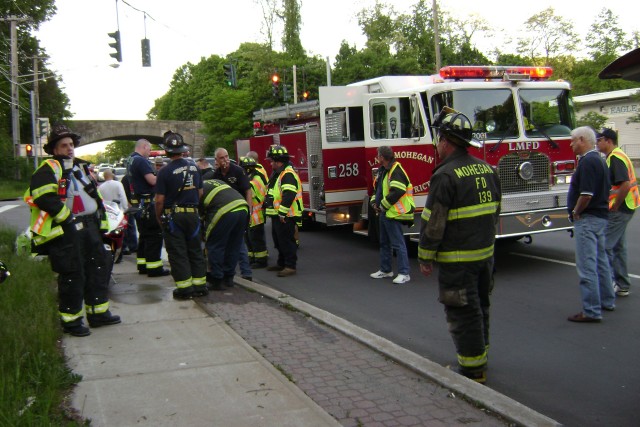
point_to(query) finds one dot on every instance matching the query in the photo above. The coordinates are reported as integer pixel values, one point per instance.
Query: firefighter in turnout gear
(143, 181)
(178, 192)
(256, 235)
(284, 206)
(458, 233)
(226, 214)
(67, 221)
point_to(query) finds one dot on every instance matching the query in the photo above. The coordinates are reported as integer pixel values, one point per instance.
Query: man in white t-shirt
(112, 189)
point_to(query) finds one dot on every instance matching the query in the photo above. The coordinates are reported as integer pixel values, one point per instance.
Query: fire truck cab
(523, 119)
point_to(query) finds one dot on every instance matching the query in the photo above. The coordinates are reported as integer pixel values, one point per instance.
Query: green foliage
(547, 35)
(32, 368)
(118, 149)
(593, 119)
(291, 38)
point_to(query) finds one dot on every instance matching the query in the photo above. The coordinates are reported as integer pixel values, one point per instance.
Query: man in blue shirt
(143, 181)
(588, 205)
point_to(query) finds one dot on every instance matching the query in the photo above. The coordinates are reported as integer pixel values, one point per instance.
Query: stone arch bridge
(132, 130)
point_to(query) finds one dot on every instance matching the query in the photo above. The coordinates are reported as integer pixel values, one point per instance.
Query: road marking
(635, 276)
(7, 207)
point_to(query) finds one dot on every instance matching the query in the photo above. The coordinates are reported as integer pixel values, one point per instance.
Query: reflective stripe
(261, 254)
(426, 214)
(181, 284)
(154, 264)
(69, 317)
(199, 281)
(465, 256)
(97, 309)
(474, 361)
(473, 211)
(141, 261)
(405, 206)
(632, 200)
(45, 189)
(236, 205)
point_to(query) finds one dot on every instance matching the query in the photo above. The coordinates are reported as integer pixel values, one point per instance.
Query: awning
(626, 67)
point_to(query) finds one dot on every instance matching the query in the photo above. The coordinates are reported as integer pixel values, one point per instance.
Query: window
(546, 112)
(344, 124)
(491, 111)
(391, 118)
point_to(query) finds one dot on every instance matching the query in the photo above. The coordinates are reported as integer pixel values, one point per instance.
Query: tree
(291, 43)
(269, 15)
(118, 149)
(606, 39)
(592, 119)
(549, 35)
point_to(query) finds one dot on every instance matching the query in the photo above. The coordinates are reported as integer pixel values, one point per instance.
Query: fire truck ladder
(288, 112)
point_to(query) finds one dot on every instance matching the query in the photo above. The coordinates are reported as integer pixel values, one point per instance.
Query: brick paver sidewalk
(354, 383)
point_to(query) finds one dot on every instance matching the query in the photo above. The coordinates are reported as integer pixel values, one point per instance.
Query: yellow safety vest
(42, 224)
(403, 209)
(632, 200)
(295, 210)
(259, 189)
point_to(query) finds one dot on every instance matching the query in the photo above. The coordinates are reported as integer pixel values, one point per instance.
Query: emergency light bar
(460, 72)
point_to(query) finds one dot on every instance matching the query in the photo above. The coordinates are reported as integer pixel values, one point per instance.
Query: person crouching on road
(178, 192)
(394, 204)
(284, 206)
(226, 214)
(458, 232)
(67, 221)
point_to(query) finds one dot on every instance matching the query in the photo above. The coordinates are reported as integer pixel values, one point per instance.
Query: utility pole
(436, 35)
(295, 85)
(15, 99)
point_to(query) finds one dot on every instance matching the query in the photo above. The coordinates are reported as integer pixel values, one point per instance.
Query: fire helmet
(4, 272)
(173, 143)
(278, 153)
(59, 131)
(248, 162)
(456, 127)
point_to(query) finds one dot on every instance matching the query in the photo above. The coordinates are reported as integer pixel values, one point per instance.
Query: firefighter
(143, 181)
(458, 232)
(284, 205)
(226, 214)
(67, 221)
(394, 204)
(256, 236)
(178, 192)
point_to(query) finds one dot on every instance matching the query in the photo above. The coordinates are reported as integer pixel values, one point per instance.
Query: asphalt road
(578, 374)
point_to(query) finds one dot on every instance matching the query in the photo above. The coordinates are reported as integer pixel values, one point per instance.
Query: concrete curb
(480, 394)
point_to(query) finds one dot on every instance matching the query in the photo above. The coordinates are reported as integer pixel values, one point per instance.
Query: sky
(76, 39)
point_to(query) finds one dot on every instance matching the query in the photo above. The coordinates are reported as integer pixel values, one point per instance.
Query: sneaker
(401, 278)
(620, 292)
(381, 274)
(286, 272)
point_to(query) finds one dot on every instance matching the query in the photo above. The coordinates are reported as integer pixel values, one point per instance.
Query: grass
(35, 378)
(11, 189)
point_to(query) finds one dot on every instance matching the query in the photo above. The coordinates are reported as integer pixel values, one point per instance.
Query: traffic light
(287, 92)
(275, 85)
(29, 149)
(116, 45)
(44, 126)
(146, 52)
(230, 75)
(305, 95)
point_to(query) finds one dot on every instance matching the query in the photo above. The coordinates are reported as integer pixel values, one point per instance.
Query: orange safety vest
(632, 199)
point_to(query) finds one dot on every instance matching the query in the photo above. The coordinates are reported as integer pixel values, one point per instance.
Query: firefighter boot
(75, 328)
(183, 293)
(227, 281)
(102, 319)
(215, 284)
(200, 291)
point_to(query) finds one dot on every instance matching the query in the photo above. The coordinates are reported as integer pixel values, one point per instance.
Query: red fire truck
(523, 119)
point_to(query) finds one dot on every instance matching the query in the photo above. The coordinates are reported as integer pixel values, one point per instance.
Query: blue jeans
(224, 244)
(243, 260)
(391, 238)
(617, 247)
(592, 264)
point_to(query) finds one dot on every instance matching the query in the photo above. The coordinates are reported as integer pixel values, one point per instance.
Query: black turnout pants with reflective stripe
(150, 241)
(284, 240)
(183, 243)
(464, 291)
(83, 266)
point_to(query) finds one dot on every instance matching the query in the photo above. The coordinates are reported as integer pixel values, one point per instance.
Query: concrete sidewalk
(170, 363)
(211, 362)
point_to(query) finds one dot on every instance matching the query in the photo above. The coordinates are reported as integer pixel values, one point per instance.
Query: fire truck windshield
(546, 112)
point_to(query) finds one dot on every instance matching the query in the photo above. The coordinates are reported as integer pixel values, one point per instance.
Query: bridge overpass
(132, 130)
